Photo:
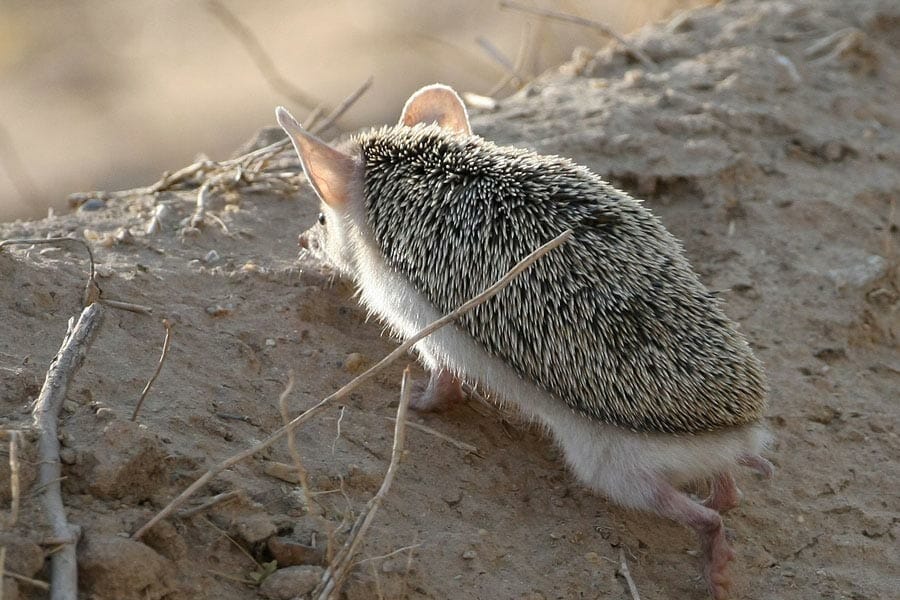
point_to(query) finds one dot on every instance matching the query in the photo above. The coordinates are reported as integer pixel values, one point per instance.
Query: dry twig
(159, 365)
(63, 570)
(605, 29)
(262, 60)
(356, 382)
(443, 436)
(527, 41)
(41, 585)
(14, 478)
(339, 568)
(206, 505)
(300, 470)
(340, 109)
(626, 573)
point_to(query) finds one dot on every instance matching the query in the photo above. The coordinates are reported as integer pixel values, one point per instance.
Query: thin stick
(338, 434)
(41, 585)
(425, 429)
(14, 478)
(54, 240)
(292, 444)
(626, 573)
(525, 44)
(129, 306)
(560, 16)
(159, 365)
(217, 499)
(337, 571)
(401, 350)
(389, 554)
(343, 107)
(63, 569)
(259, 56)
(495, 53)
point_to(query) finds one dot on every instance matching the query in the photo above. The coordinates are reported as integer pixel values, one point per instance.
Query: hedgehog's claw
(442, 390)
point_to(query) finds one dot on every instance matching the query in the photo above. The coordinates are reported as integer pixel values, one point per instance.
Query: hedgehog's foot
(442, 390)
(758, 464)
(723, 494)
(675, 505)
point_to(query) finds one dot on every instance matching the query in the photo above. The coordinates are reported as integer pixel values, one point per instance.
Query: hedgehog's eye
(321, 218)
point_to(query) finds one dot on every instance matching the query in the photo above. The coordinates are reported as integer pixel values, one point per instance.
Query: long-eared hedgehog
(610, 341)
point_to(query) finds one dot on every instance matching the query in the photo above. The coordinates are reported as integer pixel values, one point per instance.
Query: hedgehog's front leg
(669, 502)
(442, 390)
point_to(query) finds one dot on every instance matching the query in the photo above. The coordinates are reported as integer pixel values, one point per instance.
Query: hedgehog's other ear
(329, 171)
(437, 104)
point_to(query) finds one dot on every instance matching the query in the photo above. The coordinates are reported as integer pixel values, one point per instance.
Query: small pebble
(218, 310)
(92, 204)
(70, 406)
(68, 456)
(469, 554)
(211, 257)
(354, 362)
(291, 582)
(270, 342)
(254, 528)
(105, 413)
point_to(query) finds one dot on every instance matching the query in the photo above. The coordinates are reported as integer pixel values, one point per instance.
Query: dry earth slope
(768, 140)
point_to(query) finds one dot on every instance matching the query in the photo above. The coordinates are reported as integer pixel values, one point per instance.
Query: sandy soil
(767, 141)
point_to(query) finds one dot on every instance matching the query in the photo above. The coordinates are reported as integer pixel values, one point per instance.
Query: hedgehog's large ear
(329, 171)
(437, 104)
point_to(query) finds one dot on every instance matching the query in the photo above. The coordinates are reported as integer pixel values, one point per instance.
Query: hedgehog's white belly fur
(611, 460)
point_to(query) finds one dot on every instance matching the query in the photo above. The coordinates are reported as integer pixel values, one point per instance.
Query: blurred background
(102, 94)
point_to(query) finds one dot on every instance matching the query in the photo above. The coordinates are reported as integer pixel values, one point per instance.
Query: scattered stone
(218, 310)
(354, 362)
(283, 471)
(110, 566)
(291, 582)
(165, 539)
(91, 205)
(254, 528)
(289, 552)
(469, 555)
(23, 556)
(211, 257)
(451, 496)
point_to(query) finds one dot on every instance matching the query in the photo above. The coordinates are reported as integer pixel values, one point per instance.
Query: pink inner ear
(329, 171)
(436, 104)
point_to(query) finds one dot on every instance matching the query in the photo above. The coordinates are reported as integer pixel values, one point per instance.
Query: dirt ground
(768, 140)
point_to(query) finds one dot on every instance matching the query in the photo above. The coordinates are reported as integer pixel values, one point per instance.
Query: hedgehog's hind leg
(442, 390)
(724, 494)
(669, 502)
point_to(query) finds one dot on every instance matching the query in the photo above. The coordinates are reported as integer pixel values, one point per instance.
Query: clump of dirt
(767, 140)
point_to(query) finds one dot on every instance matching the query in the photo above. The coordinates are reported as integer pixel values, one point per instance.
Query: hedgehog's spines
(615, 323)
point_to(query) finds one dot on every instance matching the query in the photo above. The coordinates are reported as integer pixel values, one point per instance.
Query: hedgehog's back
(615, 322)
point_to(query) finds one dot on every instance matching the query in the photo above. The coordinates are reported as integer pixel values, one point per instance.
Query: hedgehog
(611, 341)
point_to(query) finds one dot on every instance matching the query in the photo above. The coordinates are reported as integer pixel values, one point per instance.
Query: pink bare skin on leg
(671, 503)
(723, 494)
(442, 391)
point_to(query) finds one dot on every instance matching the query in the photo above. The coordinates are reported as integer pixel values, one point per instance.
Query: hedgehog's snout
(308, 242)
